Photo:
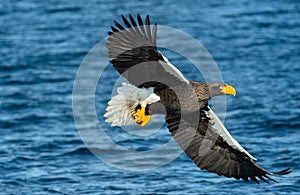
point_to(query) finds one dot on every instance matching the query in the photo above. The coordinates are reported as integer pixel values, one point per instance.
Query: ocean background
(256, 45)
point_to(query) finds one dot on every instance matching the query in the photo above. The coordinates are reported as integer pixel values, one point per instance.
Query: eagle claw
(140, 118)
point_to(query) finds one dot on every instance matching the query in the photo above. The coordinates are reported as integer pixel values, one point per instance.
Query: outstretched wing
(211, 147)
(134, 55)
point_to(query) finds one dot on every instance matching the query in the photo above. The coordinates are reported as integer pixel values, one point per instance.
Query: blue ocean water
(256, 45)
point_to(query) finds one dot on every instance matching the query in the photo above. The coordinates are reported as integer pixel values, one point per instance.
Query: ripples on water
(255, 44)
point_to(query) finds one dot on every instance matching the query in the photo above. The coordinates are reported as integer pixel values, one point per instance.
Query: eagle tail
(122, 106)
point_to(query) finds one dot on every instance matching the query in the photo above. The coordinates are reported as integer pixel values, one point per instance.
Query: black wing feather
(114, 29)
(221, 158)
(154, 34)
(134, 54)
(132, 20)
(147, 22)
(119, 25)
(126, 22)
(140, 21)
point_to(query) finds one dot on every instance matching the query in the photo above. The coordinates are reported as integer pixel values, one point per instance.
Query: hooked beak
(228, 89)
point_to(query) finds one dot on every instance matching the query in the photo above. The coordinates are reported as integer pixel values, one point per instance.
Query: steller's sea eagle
(158, 87)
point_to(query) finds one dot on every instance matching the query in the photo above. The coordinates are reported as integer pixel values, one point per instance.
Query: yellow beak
(228, 89)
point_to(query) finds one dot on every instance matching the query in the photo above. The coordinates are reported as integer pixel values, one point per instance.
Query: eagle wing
(212, 148)
(134, 54)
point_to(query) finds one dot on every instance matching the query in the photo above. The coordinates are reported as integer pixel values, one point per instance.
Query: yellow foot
(140, 118)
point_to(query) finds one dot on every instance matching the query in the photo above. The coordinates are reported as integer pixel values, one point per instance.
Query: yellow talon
(140, 118)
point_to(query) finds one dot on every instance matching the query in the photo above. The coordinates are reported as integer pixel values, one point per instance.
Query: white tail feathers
(122, 106)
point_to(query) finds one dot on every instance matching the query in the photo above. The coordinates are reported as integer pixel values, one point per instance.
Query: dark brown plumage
(134, 55)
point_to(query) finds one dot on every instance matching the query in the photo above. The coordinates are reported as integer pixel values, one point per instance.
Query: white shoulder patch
(223, 132)
(121, 106)
(170, 68)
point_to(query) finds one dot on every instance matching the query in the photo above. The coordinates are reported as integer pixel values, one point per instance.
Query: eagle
(158, 87)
